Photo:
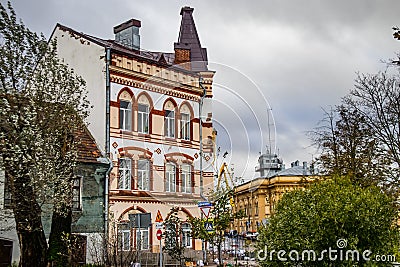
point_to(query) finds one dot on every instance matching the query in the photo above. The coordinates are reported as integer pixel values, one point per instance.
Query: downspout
(203, 244)
(201, 137)
(107, 149)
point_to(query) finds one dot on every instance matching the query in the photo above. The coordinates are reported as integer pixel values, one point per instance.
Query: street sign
(232, 202)
(140, 220)
(204, 204)
(159, 225)
(159, 217)
(159, 234)
(209, 226)
(205, 211)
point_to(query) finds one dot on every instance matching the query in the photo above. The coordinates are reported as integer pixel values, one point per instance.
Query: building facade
(258, 197)
(152, 115)
(88, 203)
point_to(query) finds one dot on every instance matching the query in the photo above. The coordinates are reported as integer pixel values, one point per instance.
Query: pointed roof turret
(189, 41)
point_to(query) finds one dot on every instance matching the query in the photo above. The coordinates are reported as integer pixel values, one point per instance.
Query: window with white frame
(143, 118)
(124, 181)
(170, 178)
(77, 193)
(124, 237)
(186, 179)
(142, 239)
(169, 123)
(185, 126)
(186, 235)
(125, 115)
(143, 174)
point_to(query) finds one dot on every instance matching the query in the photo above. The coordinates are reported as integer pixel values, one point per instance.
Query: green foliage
(42, 103)
(317, 217)
(359, 137)
(221, 215)
(173, 232)
(348, 147)
(396, 33)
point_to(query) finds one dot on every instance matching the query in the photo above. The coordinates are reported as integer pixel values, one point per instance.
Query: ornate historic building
(258, 197)
(152, 114)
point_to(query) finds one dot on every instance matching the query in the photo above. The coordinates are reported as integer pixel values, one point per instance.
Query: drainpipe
(201, 137)
(203, 244)
(107, 149)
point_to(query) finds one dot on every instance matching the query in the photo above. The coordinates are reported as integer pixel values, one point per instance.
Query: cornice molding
(154, 84)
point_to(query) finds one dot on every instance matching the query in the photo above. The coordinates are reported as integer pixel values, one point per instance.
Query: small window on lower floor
(124, 237)
(142, 239)
(186, 235)
(77, 193)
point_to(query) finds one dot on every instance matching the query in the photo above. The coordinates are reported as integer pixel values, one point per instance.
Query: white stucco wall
(88, 60)
(7, 222)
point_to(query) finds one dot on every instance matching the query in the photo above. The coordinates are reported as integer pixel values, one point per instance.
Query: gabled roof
(88, 152)
(189, 39)
(152, 57)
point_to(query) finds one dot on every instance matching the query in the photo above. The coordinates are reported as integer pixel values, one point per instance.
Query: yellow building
(258, 197)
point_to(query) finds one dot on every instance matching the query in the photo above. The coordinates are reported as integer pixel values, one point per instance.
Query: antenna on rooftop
(269, 132)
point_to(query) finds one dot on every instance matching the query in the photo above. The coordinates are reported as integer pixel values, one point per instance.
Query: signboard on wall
(140, 219)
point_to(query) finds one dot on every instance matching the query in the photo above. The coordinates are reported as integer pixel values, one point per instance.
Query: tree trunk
(27, 213)
(220, 263)
(60, 237)
(33, 248)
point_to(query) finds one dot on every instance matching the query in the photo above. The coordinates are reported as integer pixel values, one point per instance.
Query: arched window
(143, 114)
(185, 114)
(125, 115)
(186, 178)
(124, 171)
(169, 119)
(170, 177)
(185, 126)
(143, 174)
(169, 123)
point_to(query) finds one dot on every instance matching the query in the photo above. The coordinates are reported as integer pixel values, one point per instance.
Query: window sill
(144, 135)
(121, 131)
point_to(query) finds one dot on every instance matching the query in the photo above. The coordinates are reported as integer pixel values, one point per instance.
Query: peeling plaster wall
(88, 60)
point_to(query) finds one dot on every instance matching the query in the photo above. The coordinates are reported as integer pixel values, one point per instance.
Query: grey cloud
(302, 55)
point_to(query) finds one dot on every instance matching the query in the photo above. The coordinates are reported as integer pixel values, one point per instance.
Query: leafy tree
(348, 147)
(376, 97)
(317, 217)
(396, 33)
(360, 137)
(221, 215)
(42, 103)
(174, 245)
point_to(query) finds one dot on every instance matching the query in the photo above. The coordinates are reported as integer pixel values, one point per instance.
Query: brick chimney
(127, 34)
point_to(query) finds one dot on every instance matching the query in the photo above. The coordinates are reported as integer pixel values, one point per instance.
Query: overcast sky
(294, 57)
